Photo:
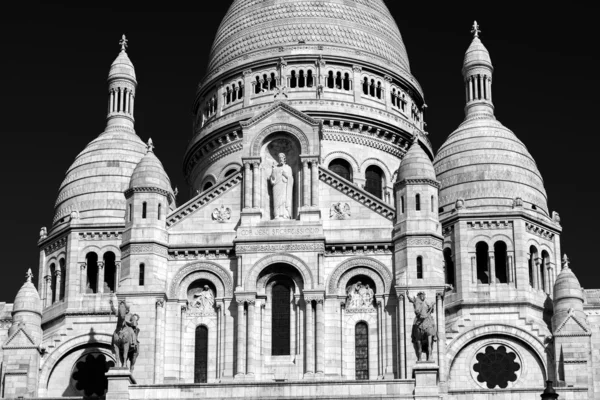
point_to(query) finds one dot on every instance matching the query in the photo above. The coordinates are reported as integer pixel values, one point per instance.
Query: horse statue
(125, 344)
(424, 331)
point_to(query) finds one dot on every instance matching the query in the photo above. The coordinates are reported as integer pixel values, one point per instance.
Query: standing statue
(205, 300)
(124, 342)
(282, 181)
(424, 330)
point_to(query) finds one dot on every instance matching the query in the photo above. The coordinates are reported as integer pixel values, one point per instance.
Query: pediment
(571, 326)
(284, 109)
(19, 339)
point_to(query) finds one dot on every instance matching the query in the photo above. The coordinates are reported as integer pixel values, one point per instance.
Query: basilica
(326, 252)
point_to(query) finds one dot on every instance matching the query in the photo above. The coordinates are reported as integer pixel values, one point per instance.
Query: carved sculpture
(359, 297)
(125, 342)
(282, 181)
(43, 233)
(204, 301)
(424, 330)
(340, 210)
(517, 202)
(222, 214)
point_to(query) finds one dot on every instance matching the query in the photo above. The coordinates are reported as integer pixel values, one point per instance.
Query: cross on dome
(475, 31)
(29, 275)
(566, 261)
(150, 146)
(123, 42)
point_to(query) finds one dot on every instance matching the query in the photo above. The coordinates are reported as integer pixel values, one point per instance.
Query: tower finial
(29, 275)
(475, 31)
(150, 146)
(566, 262)
(123, 43)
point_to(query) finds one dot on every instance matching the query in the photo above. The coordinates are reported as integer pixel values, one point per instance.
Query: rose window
(496, 367)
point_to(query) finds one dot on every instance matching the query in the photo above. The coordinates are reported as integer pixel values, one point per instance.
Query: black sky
(56, 56)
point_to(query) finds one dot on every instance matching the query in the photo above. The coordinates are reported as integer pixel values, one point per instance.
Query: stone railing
(203, 198)
(357, 194)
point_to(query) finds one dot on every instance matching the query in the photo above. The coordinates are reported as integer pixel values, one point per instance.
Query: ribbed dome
(485, 164)
(254, 26)
(122, 67)
(28, 298)
(567, 286)
(95, 182)
(150, 173)
(416, 164)
(477, 54)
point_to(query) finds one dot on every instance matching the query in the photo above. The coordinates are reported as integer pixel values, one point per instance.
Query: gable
(571, 326)
(19, 339)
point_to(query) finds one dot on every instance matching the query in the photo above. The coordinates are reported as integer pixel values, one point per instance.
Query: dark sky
(56, 56)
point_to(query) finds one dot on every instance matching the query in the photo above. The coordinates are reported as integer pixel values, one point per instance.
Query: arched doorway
(361, 346)
(201, 355)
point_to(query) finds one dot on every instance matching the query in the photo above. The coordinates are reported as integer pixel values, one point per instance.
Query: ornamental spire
(29, 275)
(123, 43)
(122, 86)
(150, 146)
(565, 261)
(475, 31)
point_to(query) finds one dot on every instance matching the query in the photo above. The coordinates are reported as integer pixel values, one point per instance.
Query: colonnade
(479, 87)
(121, 100)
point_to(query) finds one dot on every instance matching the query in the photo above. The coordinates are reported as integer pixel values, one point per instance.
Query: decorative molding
(280, 247)
(160, 303)
(200, 253)
(345, 250)
(56, 245)
(250, 280)
(144, 248)
(539, 231)
(490, 224)
(227, 149)
(188, 269)
(222, 214)
(347, 137)
(203, 198)
(424, 242)
(5, 323)
(274, 108)
(423, 181)
(343, 155)
(366, 262)
(280, 127)
(149, 189)
(97, 235)
(277, 231)
(359, 195)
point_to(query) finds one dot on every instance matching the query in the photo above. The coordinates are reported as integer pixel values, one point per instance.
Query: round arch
(386, 171)
(92, 248)
(502, 238)
(210, 178)
(90, 338)
(198, 270)
(344, 156)
(371, 267)
(480, 332)
(293, 274)
(250, 283)
(228, 167)
(480, 238)
(286, 128)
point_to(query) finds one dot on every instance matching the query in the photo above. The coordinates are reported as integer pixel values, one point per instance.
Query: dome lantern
(122, 84)
(477, 73)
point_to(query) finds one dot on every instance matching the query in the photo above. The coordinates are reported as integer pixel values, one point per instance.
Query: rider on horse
(124, 339)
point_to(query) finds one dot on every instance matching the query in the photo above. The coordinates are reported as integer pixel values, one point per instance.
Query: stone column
(48, 291)
(158, 345)
(511, 272)
(241, 330)
(256, 185)
(58, 283)
(441, 329)
(247, 75)
(402, 339)
(389, 368)
(247, 185)
(357, 70)
(310, 337)
(100, 277)
(83, 277)
(474, 270)
(319, 348)
(117, 275)
(220, 99)
(380, 337)
(470, 84)
(550, 274)
(490, 88)
(305, 184)
(293, 341)
(126, 101)
(492, 267)
(251, 338)
(314, 165)
(342, 315)
(386, 91)
(120, 108)
(535, 272)
(131, 104)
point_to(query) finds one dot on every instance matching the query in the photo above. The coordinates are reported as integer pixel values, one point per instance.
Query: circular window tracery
(496, 367)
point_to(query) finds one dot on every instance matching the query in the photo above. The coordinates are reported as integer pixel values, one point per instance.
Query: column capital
(100, 265)
(247, 72)
(57, 272)
(356, 68)
(83, 266)
(160, 303)
(48, 278)
(318, 296)
(245, 297)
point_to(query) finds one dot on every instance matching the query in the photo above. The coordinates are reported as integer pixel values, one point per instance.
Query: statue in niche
(204, 300)
(424, 331)
(359, 297)
(282, 182)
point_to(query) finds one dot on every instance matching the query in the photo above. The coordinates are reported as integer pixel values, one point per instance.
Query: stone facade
(314, 275)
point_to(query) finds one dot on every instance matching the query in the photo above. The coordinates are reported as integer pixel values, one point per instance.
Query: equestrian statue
(125, 342)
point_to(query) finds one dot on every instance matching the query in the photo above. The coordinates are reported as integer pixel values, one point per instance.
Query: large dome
(95, 183)
(252, 27)
(485, 164)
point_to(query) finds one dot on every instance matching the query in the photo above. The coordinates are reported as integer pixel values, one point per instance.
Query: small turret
(568, 296)
(477, 72)
(27, 310)
(122, 84)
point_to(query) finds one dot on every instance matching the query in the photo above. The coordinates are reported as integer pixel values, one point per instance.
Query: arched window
(544, 270)
(501, 262)
(418, 202)
(230, 172)
(207, 186)
(110, 272)
(347, 84)
(342, 168)
(280, 320)
(366, 86)
(481, 250)
(361, 351)
(293, 80)
(92, 273)
(159, 211)
(53, 294)
(301, 79)
(419, 267)
(63, 278)
(144, 207)
(130, 213)
(309, 79)
(142, 274)
(201, 355)
(330, 80)
(402, 204)
(374, 181)
(532, 264)
(449, 264)
(432, 204)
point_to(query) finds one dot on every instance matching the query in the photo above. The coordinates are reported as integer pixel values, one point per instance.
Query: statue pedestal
(119, 380)
(425, 374)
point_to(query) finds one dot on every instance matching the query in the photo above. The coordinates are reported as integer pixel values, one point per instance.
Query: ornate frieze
(357, 194)
(95, 235)
(57, 244)
(200, 254)
(204, 198)
(421, 242)
(280, 247)
(539, 231)
(148, 189)
(490, 224)
(349, 250)
(423, 181)
(144, 248)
